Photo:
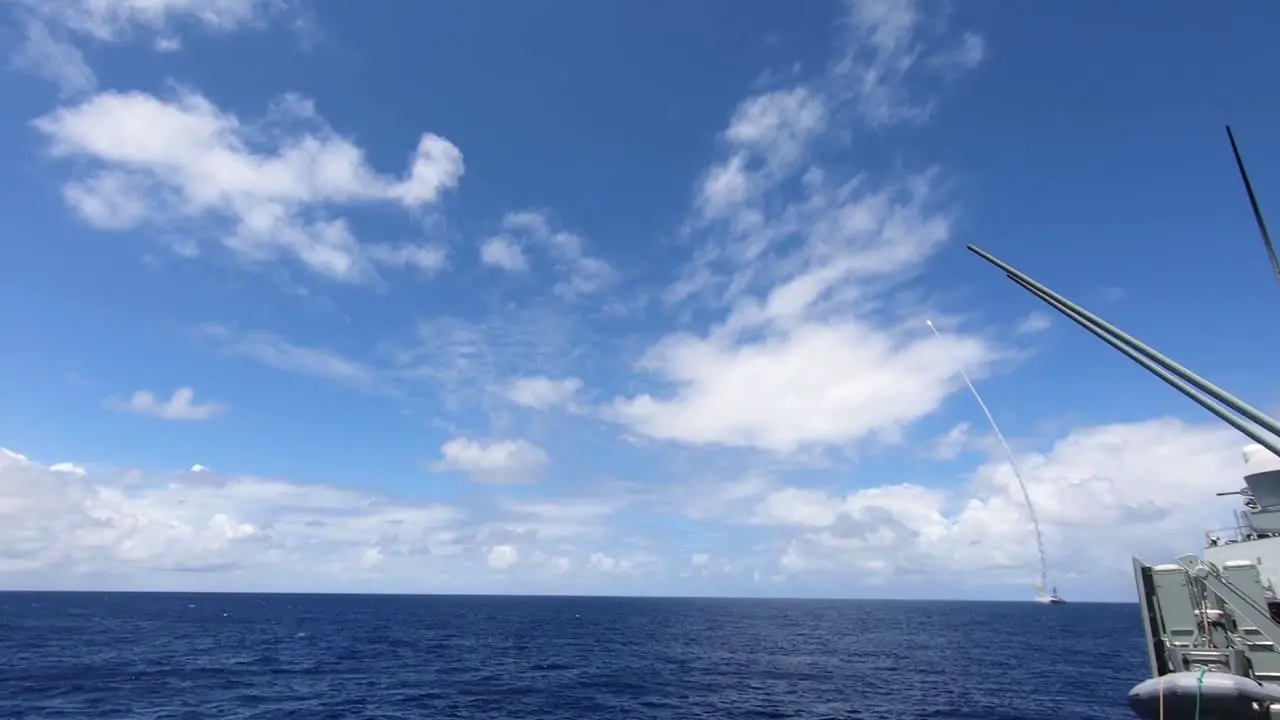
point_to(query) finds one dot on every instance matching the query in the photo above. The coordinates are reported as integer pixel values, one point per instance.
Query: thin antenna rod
(1178, 384)
(1031, 508)
(1253, 203)
(1160, 359)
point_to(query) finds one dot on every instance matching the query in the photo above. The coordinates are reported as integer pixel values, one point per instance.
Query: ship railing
(1228, 535)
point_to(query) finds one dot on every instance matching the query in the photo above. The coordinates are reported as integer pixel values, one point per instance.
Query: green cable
(1199, 684)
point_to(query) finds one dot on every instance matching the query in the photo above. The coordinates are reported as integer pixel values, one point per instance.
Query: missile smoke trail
(1031, 509)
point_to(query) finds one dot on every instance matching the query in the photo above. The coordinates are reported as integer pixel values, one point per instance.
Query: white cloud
(949, 446)
(806, 364)
(528, 223)
(1033, 323)
(632, 564)
(54, 59)
(493, 461)
(605, 562)
(819, 384)
(276, 352)
(428, 259)
(504, 253)
(814, 350)
(165, 162)
(563, 517)
(64, 528)
(542, 393)
(67, 467)
(771, 133)
(888, 42)
(501, 557)
(720, 500)
(584, 273)
(180, 406)
(115, 20)
(112, 201)
(1101, 493)
(471, 360)
(51, 26)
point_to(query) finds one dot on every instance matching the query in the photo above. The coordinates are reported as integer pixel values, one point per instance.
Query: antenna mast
(1253, 203)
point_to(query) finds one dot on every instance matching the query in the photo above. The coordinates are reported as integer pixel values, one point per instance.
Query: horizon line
(348, 593)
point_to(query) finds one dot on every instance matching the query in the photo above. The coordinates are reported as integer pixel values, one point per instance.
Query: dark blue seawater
(125, 655)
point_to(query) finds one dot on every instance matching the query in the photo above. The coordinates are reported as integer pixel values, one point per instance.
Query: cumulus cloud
(583, 273)
(145, 160)
(805, 362)
(503, 252)
(66, 525)
(501, 557)
(1101, 494)
(542, 393)
(771, 132)
(180, 406)
(822, 382)
(813, 350)
(68, 467)
(493, 461)
(62, 526)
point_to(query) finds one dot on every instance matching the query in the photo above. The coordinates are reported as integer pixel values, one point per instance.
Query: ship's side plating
(1152, 624)
(1211, 623)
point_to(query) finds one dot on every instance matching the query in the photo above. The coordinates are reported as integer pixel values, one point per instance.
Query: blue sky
(583, 297)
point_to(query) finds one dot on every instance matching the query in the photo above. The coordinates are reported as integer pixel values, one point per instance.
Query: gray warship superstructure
(1211, 621)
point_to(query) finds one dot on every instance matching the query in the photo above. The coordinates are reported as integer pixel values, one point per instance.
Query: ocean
(169, 655)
